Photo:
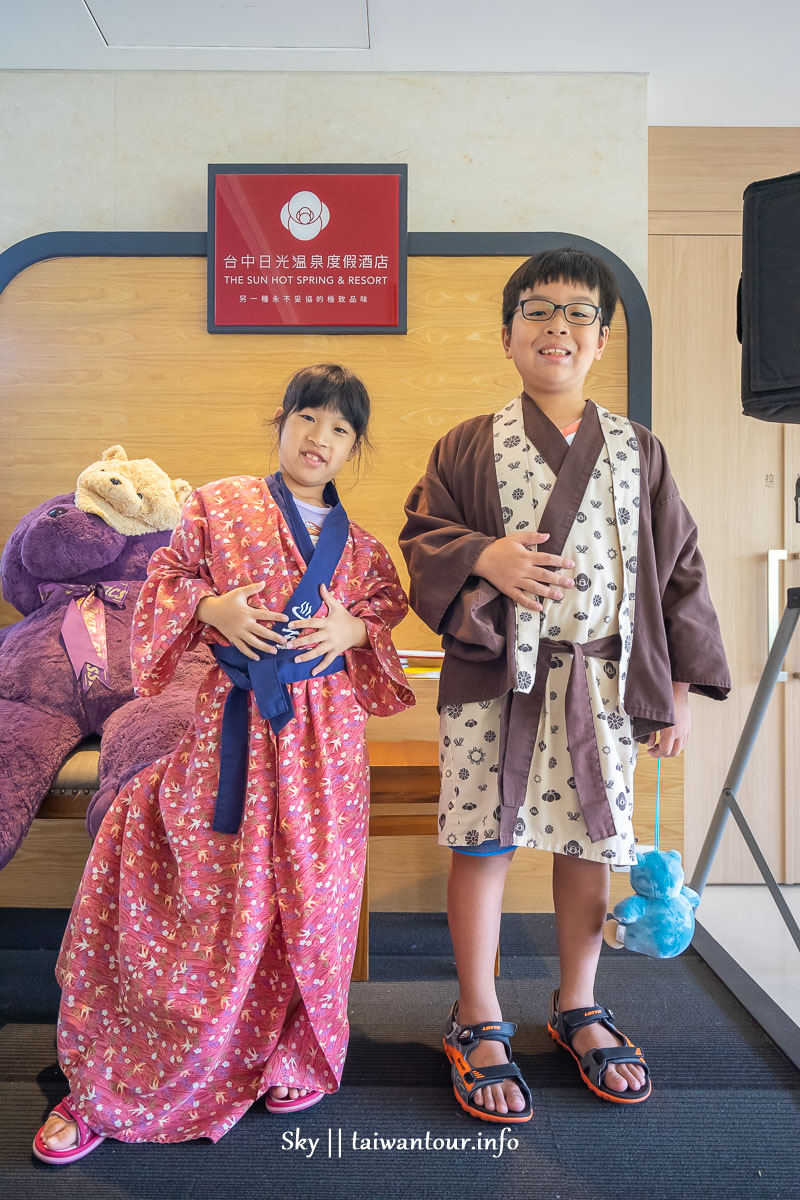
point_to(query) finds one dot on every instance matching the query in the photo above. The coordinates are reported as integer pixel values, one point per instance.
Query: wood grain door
(737, 476)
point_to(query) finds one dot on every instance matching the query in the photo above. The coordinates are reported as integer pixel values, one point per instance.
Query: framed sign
(307, 249)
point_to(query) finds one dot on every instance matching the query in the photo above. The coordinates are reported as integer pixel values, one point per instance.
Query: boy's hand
(513, 565)
(672, 740)
(330, 635)
(241, 623)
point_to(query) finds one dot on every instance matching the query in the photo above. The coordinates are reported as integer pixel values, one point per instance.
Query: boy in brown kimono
(549, 546)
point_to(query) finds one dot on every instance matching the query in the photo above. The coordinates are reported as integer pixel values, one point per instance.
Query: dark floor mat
(722, 1123)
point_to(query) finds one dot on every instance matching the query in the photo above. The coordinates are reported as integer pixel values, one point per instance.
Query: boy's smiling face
(553, 357)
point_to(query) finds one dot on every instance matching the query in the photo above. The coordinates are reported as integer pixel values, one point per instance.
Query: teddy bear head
(658, 875)
(62, 540)
(133, 496)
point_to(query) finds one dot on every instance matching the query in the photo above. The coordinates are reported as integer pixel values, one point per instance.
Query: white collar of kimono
(521, 481)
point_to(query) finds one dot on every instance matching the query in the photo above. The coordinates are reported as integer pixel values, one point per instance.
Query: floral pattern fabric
(183, 945)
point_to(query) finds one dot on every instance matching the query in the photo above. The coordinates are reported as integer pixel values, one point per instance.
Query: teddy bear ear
(182, 489)
(640, 860)
(674, 854)
(117, 452)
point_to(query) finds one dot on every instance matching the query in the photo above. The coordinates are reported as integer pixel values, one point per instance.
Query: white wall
(709, 62)
(129, 150)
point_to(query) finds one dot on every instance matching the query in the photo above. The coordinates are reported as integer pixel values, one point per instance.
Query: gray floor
(745, 921)
(722, 1122)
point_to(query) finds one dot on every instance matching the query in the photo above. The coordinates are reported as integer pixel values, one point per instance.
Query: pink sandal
(87, 1140)
(286, 1105)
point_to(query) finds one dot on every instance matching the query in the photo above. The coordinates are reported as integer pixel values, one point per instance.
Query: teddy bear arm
(630, 909)
(691, 896)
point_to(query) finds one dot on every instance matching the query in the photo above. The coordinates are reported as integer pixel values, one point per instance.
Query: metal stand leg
(763, 866)
(727, 803)
(780, 1027)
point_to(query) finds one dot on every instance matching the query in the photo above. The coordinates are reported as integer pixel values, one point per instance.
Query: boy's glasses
(543, 310)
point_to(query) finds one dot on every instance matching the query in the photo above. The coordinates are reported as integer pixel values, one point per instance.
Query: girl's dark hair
(328, 385)
(569, 264)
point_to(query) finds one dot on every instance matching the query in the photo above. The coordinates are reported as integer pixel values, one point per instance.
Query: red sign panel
(298, 249)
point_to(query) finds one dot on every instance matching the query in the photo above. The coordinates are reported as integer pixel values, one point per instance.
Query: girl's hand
(672, 740)
(241, 623)
(513, 565)
(330, 635)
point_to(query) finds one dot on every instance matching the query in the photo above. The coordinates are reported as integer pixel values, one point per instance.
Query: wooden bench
(404, 800)
(404, 793)
(404, 796)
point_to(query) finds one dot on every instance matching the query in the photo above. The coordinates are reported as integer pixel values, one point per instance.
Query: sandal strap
(622, 1054)
(496, 1073)
(479, 1077)
(493, 1031)
(573, 1019)
(596, 1062)
(576, 1018)
(71, 1114)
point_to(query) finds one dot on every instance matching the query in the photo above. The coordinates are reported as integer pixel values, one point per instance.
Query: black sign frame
(398, 169)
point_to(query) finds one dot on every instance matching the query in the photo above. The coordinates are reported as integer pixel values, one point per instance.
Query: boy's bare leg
(474, 904)
(580, 896)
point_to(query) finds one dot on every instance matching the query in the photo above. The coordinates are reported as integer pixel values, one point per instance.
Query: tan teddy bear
(79, 555)
(133, 495)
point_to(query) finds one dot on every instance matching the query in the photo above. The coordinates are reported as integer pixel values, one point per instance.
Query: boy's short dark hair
(569, 264)
(329, 385)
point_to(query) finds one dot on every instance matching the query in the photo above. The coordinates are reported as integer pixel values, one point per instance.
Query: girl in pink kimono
(208, 955)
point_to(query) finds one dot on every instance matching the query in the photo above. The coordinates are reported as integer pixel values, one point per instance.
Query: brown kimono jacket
(454, 512)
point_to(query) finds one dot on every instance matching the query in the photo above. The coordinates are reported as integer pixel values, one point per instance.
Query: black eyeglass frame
(598, 312)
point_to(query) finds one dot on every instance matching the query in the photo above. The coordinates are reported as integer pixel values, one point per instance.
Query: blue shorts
(487, 848)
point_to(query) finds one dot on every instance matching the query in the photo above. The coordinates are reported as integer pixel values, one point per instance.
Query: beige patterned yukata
(539, 715)
(602, 543)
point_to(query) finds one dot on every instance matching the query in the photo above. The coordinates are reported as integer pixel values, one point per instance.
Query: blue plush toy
(659, 919)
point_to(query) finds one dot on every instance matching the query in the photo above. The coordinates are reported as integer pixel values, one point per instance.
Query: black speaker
(769, 300)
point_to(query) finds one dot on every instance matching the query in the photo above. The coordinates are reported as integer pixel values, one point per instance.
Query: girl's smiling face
(315, 443)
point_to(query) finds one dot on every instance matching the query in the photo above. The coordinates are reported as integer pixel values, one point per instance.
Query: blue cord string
(658, 796)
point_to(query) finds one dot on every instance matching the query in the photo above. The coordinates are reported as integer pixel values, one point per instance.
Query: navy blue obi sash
(268, 677)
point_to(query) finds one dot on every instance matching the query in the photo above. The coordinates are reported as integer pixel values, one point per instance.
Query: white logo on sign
(305, 216)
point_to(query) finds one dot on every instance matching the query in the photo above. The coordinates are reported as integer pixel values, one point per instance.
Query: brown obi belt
(519, 728)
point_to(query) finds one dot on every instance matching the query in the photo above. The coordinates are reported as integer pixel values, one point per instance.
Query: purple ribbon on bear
(83, 629)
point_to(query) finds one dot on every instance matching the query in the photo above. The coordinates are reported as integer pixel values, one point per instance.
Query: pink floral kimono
(184, 944)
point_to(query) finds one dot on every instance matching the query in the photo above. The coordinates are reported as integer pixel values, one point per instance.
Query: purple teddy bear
(59, 681)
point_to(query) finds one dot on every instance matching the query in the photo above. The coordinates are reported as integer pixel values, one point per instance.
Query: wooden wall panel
(737, 474)
(97, 351)
(730, 473)
(697, 175)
